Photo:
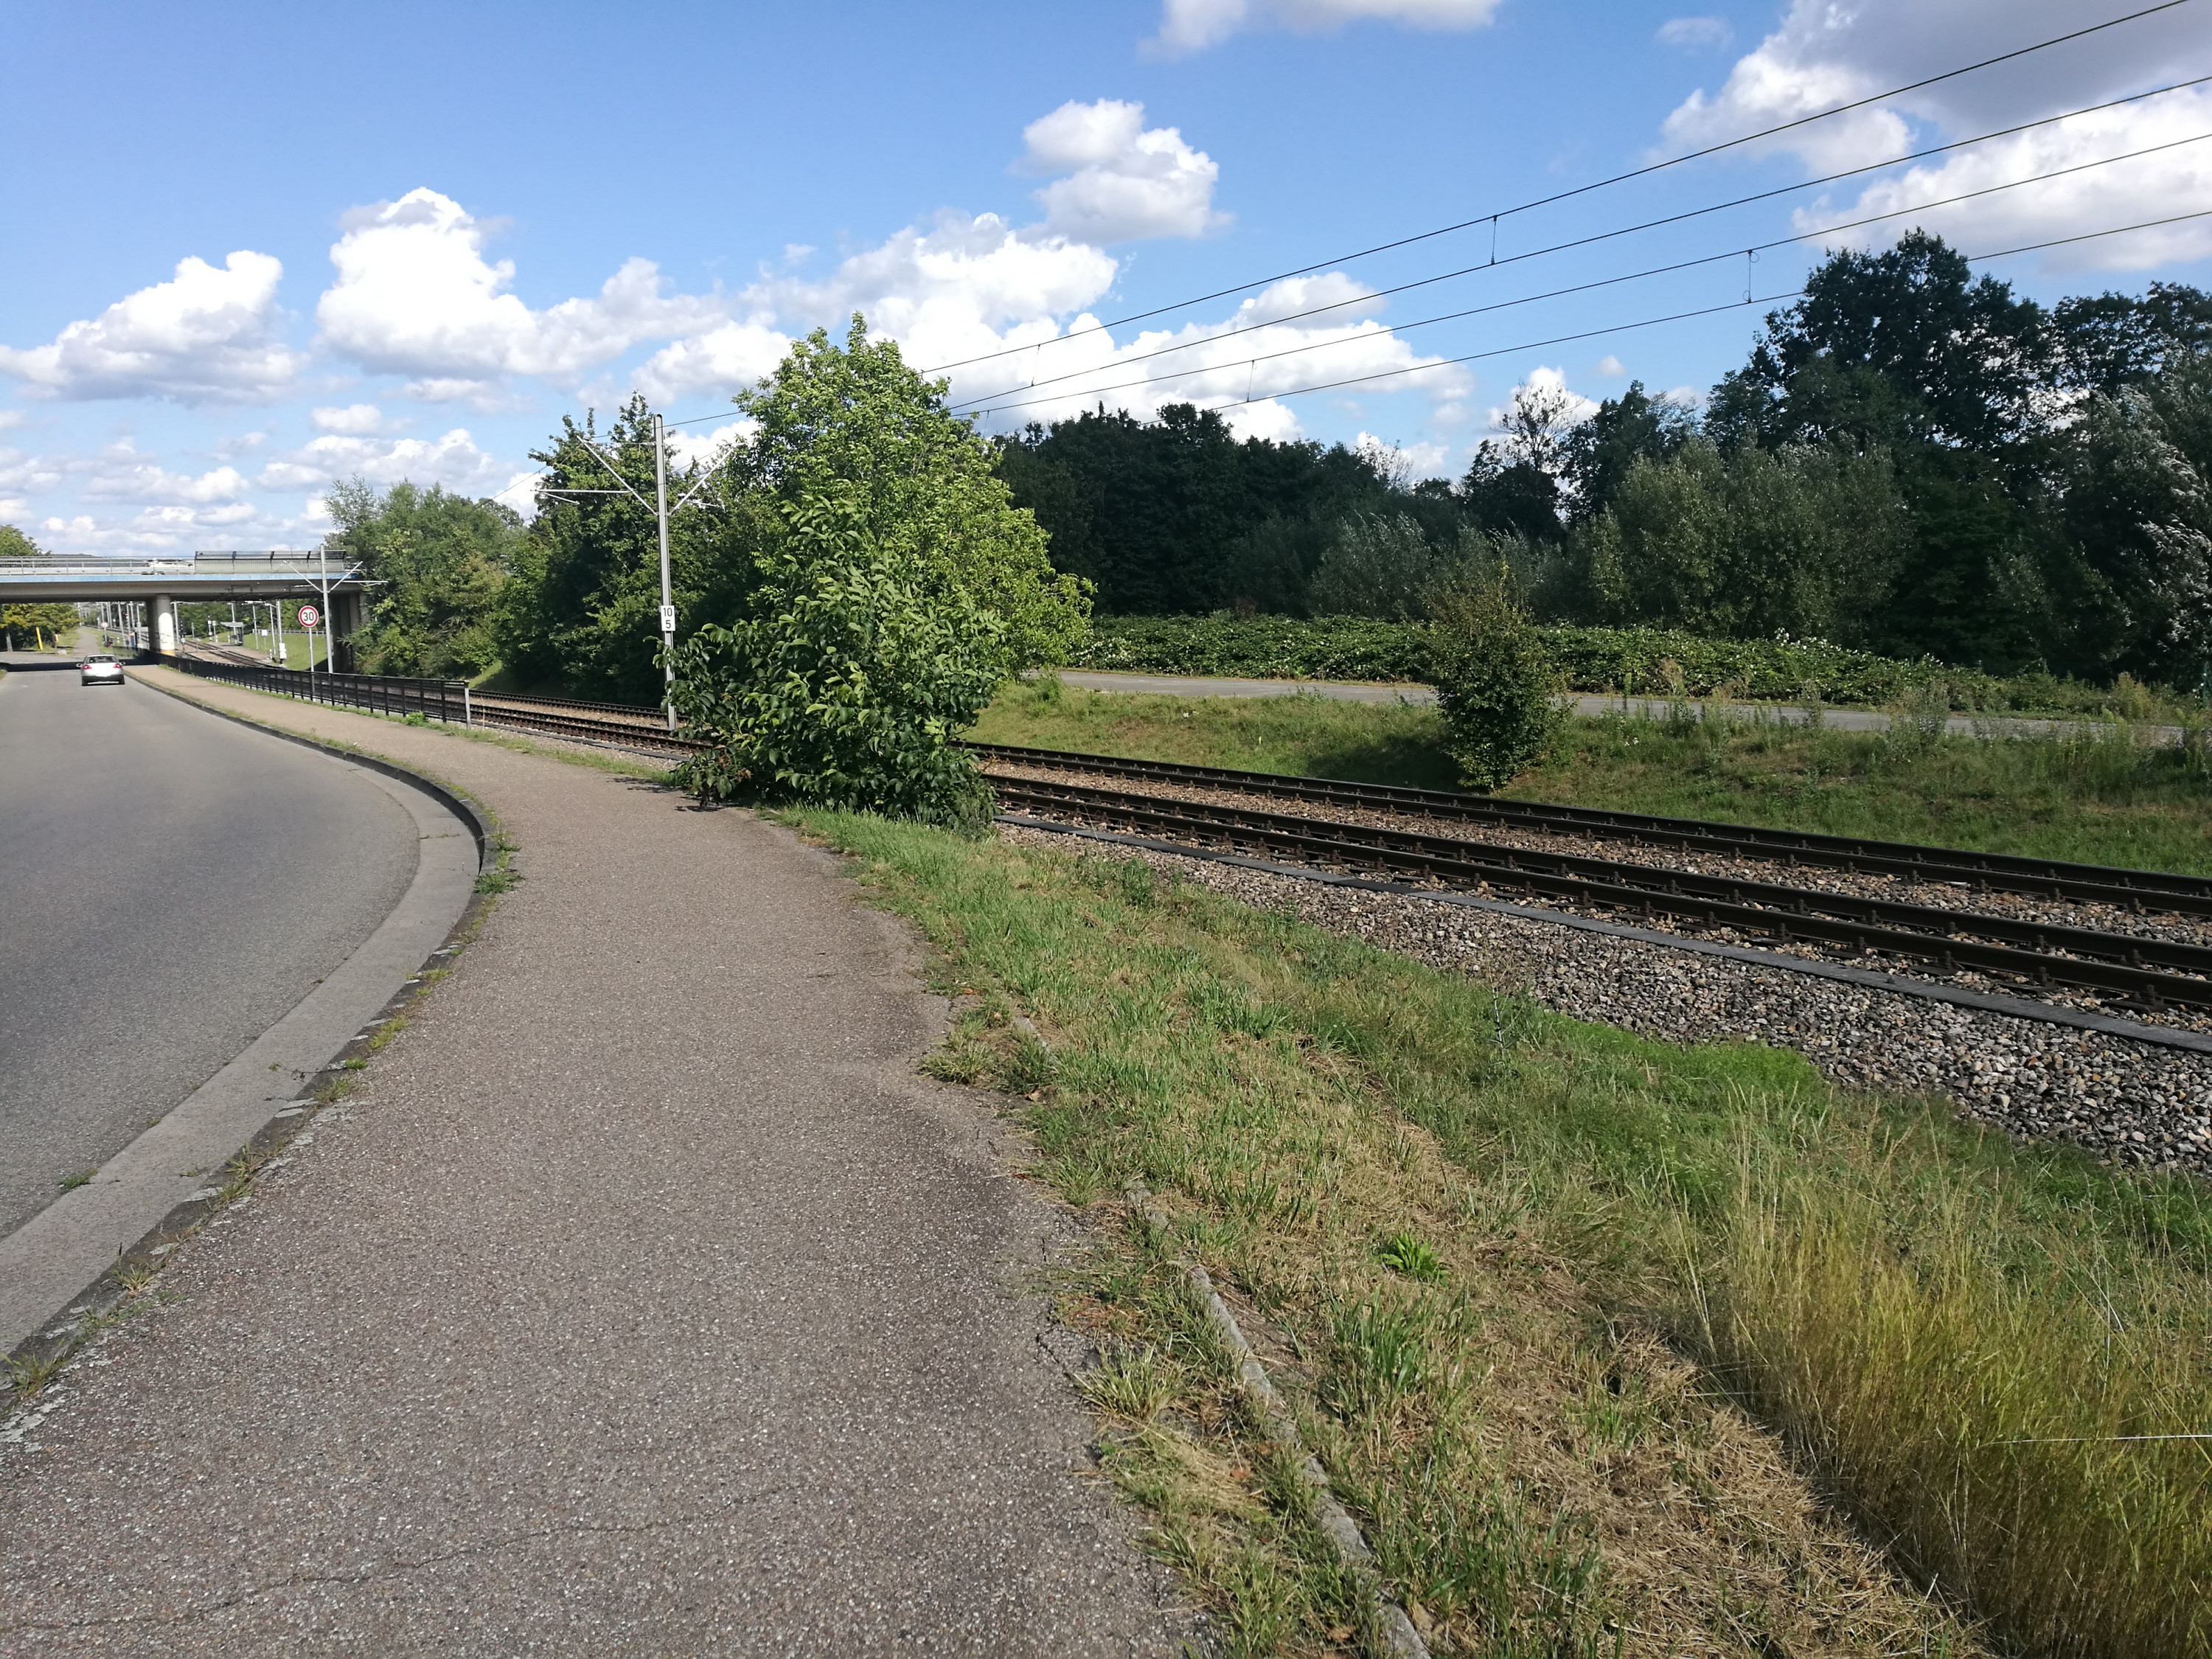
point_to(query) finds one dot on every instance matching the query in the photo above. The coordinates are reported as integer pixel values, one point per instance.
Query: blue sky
(252, 248)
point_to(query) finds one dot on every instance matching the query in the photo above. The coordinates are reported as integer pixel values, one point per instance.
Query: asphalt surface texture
(645, 1299)
(174, 884)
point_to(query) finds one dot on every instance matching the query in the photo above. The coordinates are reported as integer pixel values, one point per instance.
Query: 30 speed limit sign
(309, 616)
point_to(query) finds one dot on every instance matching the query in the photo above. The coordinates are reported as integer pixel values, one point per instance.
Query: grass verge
(1542, 1292)
(2103, 798)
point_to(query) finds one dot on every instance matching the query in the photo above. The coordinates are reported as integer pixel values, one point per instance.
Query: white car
(99, 670)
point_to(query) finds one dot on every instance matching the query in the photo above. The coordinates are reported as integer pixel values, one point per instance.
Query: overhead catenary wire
(1372, 295)
(1532, 345)
(996, 408)
(1579, 190)
(1653, 322)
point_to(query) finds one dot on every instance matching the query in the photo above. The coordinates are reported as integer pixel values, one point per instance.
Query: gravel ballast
(2126, 1101)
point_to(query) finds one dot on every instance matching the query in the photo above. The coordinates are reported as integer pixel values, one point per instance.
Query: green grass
(2097, 798)
(1521, 1273)
(1306, 735)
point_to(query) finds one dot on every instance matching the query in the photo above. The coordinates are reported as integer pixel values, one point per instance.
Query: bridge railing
(384, 694)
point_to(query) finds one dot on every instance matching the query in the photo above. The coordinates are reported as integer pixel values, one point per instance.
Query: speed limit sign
(309, 616)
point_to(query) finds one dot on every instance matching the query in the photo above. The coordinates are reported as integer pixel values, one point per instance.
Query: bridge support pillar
(162, 624)
(345, 621)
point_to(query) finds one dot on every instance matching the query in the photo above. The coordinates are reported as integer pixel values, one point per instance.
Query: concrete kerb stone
(1330, 1519)
(57, 1338)
(1400, 1638)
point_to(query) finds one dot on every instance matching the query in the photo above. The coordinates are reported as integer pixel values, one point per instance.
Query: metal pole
(667, 600)
(323, 555)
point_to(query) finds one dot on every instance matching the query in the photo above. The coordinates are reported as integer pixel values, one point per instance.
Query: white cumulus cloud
(210, 334)
(22, 475)
(1188, 26)
(453, 460)
(354, 419)
(416, 296)
(725, 360)
(121, 474)
(1247, 358)
(1824, 54)
(1124, 181)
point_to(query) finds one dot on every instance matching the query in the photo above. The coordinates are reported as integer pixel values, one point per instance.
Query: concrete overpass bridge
(333, 585)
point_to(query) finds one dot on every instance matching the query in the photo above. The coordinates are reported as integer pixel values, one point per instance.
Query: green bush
(847, 681)
(1493, 679)
(1275, 647)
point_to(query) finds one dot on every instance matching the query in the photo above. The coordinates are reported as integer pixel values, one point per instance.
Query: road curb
(83, 1315)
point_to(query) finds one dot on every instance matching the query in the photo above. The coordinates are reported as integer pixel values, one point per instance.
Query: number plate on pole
(668, 619)
(309, 615)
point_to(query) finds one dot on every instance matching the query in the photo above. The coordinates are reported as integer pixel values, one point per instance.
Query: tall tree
(924, 484)
(1596, 455)
(2107, 341)
(1179, 515)
(440, 561)
(1904, 351)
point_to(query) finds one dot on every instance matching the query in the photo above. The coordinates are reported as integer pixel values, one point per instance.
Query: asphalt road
(172, 884)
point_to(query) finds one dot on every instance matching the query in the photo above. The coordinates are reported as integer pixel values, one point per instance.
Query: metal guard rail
(382, 693)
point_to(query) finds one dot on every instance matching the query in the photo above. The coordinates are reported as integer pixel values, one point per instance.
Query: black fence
(384, 694)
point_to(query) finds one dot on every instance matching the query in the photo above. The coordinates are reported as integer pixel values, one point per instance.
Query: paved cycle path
(1588, 703)
(644, 1300)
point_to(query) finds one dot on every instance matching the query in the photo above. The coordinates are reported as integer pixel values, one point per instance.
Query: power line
(1584, 241)
(1652, 322)
(1580, 190)
(1562, 340)
(1826, 230)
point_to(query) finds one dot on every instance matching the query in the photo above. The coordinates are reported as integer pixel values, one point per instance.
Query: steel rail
(2150, 971)
(2127, 889)
(616, 733)
(621, 711)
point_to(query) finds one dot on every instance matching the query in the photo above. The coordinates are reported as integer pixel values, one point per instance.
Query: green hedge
(1269, 648)
(1626, 659)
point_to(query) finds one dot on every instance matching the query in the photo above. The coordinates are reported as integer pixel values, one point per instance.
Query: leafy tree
(24, 623)
(581, 607)
(923, 483)
(2138, 516)
(1595, 456)
(1747, 545)
(1178, 515)
(849, 676)
(441, 559)
(1376, 567)
(1513, 485)
(1890, 349)
(2107, 341)
(1510, 496)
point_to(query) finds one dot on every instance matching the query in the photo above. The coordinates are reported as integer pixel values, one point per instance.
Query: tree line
(1912, 461)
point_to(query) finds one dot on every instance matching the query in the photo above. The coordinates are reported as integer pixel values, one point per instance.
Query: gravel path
(2128, 1102)
(645, 1300)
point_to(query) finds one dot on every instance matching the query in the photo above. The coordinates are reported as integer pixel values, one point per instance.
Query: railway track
(641, 729)
(2152, 974)
(2042, 878)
